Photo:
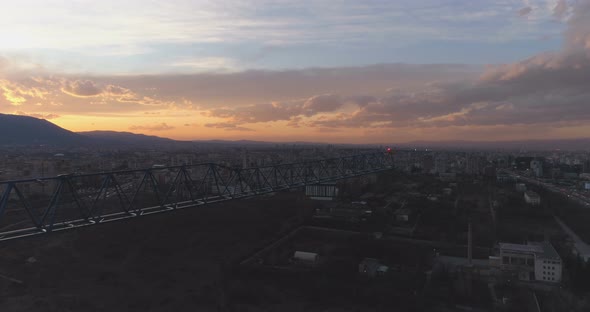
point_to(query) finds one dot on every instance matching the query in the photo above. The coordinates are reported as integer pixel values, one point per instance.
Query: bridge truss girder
(44, 205)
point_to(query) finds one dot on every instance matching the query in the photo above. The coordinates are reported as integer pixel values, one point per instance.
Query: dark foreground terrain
(170, 262)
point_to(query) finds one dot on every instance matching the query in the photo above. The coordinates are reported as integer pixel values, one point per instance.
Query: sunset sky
(337, 71)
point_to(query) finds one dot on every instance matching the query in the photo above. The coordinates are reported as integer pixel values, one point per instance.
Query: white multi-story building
(532, 198)
(536, 261)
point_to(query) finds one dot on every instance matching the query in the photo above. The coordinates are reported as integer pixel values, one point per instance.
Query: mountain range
(29, 131)
(24, 130)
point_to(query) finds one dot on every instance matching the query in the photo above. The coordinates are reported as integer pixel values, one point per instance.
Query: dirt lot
(169, 262)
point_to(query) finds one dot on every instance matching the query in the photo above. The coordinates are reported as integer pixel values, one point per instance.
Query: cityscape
(295, 156)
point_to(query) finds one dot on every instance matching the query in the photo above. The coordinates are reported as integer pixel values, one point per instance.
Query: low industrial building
(327, 191)
(306, 258)
(402, 214)
(372, 267)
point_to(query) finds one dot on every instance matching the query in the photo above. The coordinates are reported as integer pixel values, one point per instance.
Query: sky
(340, 71)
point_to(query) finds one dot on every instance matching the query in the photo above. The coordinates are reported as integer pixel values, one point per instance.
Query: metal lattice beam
(37, 206)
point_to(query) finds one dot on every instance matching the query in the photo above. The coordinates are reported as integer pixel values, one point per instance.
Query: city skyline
(295, 71)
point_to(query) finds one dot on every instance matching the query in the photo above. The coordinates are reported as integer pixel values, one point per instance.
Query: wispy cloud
(227, 126)
(17, 93)
(560, 11)
(92, 35)
(361, 102)
(525, 11)
(38, 115)
(209, 64)
(157, 127)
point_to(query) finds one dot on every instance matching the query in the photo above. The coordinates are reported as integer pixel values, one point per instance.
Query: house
(372, 267)
(306, 258)
(402, 214)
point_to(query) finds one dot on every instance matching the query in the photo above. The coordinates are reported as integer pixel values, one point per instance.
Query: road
(581, 247)
(581, 198)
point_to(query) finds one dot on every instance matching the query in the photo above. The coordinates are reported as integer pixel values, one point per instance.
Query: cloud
(208, 64)
(17, 93)
(362, 100)
(84, 88)
(321, 103)
(81, 88)
(549, 88)
(257, 113)
(295, 122)
(4, 63)
(560, 10)
(38, 115)
(279, 111)
(227, 126)
(158, 127)
(559, 69)
(546, 90)
(88, 88)
(260, 22)
(525, 11)
(210, 90)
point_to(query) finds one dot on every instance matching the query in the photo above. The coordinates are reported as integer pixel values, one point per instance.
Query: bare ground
(169, 262)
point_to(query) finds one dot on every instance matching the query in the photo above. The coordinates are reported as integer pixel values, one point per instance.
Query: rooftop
(540, 249)
(402, 211)
(548, 251)
(521, 248)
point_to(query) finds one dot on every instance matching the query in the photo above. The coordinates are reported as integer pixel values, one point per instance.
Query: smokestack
(469, 244)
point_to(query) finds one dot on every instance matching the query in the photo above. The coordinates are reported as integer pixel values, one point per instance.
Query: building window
(506, 260)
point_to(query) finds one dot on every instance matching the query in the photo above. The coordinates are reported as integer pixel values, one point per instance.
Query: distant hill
(29, 131)
(262, 143)
(24, 130)
(126, 138)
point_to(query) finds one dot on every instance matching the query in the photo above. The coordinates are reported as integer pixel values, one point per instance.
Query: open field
(169, 262)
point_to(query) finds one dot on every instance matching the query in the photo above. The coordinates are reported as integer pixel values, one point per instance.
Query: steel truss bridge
(37, 206)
